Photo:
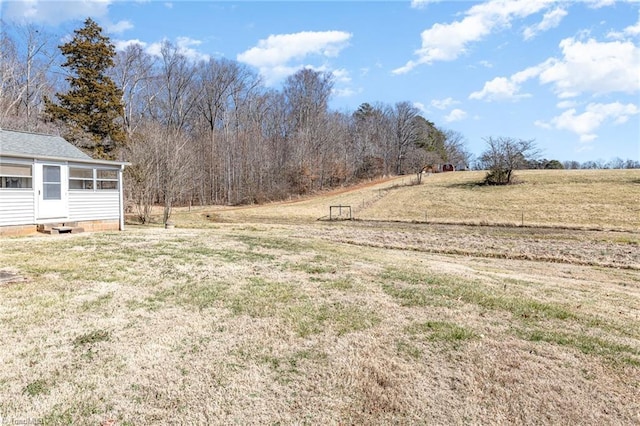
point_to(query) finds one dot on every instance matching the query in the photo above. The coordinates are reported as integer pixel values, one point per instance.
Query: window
(106, 179)
(80, 178)
(17, 176)
(84, 178)
(52, 185)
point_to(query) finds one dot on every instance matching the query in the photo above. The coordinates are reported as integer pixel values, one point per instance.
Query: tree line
(207, 132)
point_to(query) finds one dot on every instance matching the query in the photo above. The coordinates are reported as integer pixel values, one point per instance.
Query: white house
(44, 180)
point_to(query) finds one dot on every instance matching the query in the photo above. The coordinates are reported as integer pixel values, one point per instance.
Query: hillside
(598, 199)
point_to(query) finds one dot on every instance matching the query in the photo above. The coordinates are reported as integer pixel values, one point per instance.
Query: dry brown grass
(289, 320)
(597, 199)
(583, 198)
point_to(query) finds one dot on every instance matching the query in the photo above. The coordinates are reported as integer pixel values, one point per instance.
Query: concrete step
(60, 228)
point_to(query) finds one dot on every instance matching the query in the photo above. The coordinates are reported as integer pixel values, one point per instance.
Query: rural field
(446, 302)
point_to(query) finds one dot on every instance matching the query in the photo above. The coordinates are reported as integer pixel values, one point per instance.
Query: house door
(52, 191)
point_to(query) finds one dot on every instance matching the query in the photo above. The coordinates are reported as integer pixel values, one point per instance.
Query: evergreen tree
(93, 103)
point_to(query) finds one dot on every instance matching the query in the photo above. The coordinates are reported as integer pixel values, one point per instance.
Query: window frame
(96, 182)
(101, 180)
(26, 179)
(84, 180)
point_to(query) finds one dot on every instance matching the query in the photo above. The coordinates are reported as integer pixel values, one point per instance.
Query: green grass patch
(404, 347)
(236, 256)
(589, 345)
(314, 268)
(308, 319)
(202, 296)
(413, 296)
(92, 337)
(439, 331)
(274, 243)
(431, 290)
(342, 284)
(35, 388)
(262, 298)
(97, 303)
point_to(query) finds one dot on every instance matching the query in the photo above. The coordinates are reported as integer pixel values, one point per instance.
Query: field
(443, 303)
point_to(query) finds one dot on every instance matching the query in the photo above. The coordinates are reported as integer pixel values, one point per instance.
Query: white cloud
(455, 115)
(443, 103)
(502, 88)
(342, 75)
(497, 89)
(155, 49)
(419, 4)
(446, 42)
(119, 27)
(273, 54)
(184, 46)
(543, 124)
(54, 12)
(633, 30)
(549, 20)
(566, 104)
(597, 4)
(346, 92)
(594, 67)
(584, 148)
(123, 44)
(50, 12)
(586, 124)
(422, 107)
(591, 67)
(630, 31)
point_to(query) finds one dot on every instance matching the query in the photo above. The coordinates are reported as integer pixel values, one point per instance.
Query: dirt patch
(8, 277)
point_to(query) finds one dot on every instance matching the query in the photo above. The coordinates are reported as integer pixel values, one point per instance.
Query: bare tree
(307, 95)
(162, 168)
(142, 177)
(133, 68)
(24, 73)
(405, 131)
(10, 92)
(503, 155)
(172, 95)
(455, 148)
(371, 141)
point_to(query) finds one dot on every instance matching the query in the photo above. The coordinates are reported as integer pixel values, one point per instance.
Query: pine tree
(93, 103)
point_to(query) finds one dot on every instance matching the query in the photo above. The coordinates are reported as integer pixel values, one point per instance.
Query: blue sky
(565, 73)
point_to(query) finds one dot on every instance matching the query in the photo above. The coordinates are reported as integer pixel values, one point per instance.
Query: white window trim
(20, 164)
(95, 178)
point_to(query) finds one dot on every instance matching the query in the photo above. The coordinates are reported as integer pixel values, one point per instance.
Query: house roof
(37, 145)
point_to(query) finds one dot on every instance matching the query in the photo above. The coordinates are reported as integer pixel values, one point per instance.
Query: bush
(503, 156)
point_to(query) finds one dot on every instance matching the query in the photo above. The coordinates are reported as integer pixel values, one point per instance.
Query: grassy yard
(266, 316)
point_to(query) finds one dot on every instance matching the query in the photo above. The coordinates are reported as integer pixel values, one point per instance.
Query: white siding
(94, 205)
(16, 207)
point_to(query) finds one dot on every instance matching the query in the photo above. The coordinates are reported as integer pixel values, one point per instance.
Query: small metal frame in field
(340, 212)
